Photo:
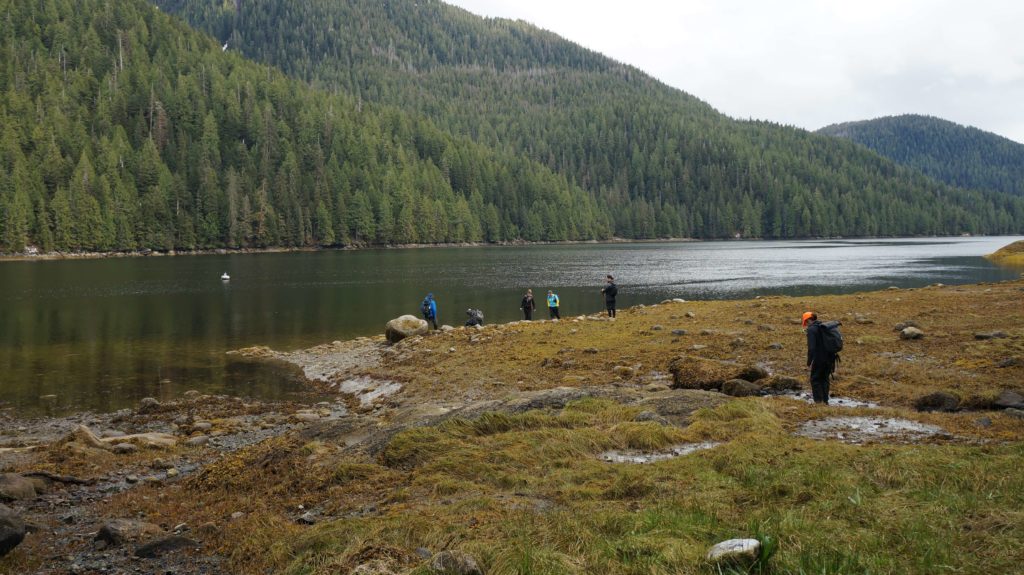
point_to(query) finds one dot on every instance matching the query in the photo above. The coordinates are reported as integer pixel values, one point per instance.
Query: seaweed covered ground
(581, 446)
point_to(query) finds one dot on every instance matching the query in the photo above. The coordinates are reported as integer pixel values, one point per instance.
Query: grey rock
(857, 318)
(202, 426)
(690, 314)
(657, 327)
(124, 448)
(148, 405)
(118, 531)
(1014, 412)
(454, 563)
(765, 327)
(990, 335)
(937, 401)
(423, 553)
(307, 518)
(14, 487)
(707, 332)
(735, 551)
(12, 530)
(405, 326)
(911, 333)
(740, 388)
(904, 325)
(1010, 362)
(775, 345)
(164, 545)
(644, 416)
(1009, 399)
(738, 342)
(198, 440)
(679, 332)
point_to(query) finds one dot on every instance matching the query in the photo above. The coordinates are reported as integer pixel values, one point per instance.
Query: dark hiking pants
(820, 376)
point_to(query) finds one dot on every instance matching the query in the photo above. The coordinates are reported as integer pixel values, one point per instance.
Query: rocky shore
(579, 446)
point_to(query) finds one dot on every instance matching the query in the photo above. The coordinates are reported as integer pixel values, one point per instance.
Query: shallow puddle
(641, 457)
(368, 390)
(866, 429)
(832, 401)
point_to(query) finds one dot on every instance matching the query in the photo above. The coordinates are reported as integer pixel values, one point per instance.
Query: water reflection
(101, 334)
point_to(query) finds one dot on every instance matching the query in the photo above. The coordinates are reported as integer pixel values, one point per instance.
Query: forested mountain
(958, 155)
(662, 162)
(123, 128)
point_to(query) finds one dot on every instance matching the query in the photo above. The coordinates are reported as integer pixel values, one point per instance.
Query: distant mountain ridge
(959, 155)
(660, 161)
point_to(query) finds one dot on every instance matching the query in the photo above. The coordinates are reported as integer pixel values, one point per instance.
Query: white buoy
(224, 276)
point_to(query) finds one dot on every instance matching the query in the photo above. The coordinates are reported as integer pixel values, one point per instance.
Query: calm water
(101, 334)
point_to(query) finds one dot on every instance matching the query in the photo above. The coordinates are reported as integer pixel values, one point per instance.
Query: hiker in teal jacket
(553, 303)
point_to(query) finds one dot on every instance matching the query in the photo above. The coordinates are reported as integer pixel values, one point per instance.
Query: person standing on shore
(823, 345)
(610, 290)
(429, 309)
(553, 303)
(528, 306)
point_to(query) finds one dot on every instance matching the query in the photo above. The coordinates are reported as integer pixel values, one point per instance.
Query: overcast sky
(810, 63)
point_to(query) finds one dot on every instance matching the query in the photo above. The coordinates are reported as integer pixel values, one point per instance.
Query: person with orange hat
(821, 359)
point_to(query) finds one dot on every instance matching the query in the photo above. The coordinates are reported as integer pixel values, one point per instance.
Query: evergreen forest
(324, 123)
(958, 155)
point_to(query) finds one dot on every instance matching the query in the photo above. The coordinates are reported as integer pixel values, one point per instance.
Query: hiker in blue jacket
(429, 309)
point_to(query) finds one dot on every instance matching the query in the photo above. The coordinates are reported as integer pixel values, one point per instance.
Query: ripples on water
(103, 333)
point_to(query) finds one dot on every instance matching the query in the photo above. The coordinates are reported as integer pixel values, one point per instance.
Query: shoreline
(560, 421)
(58, 256)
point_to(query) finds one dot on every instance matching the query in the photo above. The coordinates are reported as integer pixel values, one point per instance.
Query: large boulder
(402, 327)
(937, 401)
(14, 487)
(752, 373)
(118, 531)
(12, 530)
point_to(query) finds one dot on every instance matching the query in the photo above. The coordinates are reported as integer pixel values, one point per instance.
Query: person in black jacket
(528, 305)
(820, 363)
(610, 291)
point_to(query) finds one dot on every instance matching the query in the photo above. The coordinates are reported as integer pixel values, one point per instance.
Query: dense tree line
(663, 161)
(121, 128)
(958, 155)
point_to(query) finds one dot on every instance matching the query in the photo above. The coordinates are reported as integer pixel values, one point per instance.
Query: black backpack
(831, 338)
(425, 307)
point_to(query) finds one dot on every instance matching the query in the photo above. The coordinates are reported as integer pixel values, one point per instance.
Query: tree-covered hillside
(662, 161)
(122, 128)
(958, 155)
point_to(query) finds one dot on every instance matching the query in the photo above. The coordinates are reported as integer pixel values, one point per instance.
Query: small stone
(198, 440)
(591, 350)
(657, 327)
(738, 342)
(690, 314)
(12, 530)
(991, 335)
(423, 553)
(454, 563)
(740, 388)
(1009, 399)
(765, 327)
(307, 518)
(862, 319)
(160, 547)
(707, 332)
(124, 448)
(1014, 412)
(202, 426)
(237, 515)
(180, 527)
(697, 347)
(623, 371)
(148, 405)
(735, 551)
(679, 332)
(173, 472)
(909, 333)
(118, 531)
(904, 325)
(14, 487)
(937, 401)
(451, 350)
(191, 394)
(132, 479)
(775, 345)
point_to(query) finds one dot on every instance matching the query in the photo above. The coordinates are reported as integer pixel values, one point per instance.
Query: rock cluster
(405, 326)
